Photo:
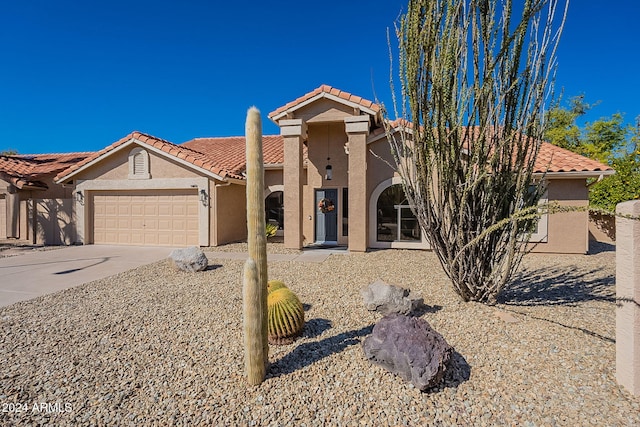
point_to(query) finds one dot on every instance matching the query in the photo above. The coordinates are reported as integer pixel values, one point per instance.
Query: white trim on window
(542, 230)
(373, 221)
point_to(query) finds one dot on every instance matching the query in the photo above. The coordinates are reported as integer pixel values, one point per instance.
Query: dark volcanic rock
(410, 348)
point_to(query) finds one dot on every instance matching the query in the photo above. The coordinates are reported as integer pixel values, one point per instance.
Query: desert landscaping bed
(155, 346)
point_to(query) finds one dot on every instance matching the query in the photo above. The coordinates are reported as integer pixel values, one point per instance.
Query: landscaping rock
(410, 348)
(388, 299)
(189, 259)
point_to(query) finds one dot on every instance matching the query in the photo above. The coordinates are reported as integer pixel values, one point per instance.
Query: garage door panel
(137, 210)
(165, 209)
(137, 238)
(167, 218)
(150, 209)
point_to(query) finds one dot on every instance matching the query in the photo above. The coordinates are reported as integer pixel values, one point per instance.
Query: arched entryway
(274, 209)
(392, 223)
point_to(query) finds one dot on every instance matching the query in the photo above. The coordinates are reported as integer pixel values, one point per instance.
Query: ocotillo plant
(255, 273)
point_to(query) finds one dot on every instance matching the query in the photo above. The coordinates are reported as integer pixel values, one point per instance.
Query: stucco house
(33, 207)
(327, 181)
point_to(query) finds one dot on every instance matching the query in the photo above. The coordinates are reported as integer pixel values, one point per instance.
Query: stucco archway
(373, 220)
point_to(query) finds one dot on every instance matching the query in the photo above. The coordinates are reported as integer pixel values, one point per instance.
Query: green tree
(562, 129)
(473, 79)
(607, 140)
(625, 184)
(8, 152)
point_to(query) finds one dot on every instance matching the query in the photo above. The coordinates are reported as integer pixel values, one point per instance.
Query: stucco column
(13, 212)
(294, 132)
(357, 128)
(628, 297)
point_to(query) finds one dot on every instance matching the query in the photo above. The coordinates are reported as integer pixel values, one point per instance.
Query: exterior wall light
(329, 171)
(203, 197)
(80, 197)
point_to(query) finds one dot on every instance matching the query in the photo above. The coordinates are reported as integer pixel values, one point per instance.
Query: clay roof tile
(329, 90)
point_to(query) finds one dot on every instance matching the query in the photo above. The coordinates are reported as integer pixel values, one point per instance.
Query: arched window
(274, 209)
(395, 221)
(139, 164)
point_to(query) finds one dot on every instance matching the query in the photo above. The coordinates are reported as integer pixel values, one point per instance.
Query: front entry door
(327, 216)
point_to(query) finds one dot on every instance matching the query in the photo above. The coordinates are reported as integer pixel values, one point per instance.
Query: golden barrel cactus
(285, 316)
(274, 285)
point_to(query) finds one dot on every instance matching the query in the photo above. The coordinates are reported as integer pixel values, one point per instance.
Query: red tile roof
(225, 157)
(30, 170)
(182, 152)
(326, 89)
(229, 152)
(550, 158)
(555, 159)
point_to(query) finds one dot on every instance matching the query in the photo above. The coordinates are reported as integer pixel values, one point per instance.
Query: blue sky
(77, 76)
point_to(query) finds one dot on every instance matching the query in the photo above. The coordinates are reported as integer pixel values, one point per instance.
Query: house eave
(574, 174)
(150, 148)
(329, 96)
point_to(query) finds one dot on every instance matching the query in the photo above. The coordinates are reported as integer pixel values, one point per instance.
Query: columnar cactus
(255, 273)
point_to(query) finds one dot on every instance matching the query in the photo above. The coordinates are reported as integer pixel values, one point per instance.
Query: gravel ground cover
(155, 346)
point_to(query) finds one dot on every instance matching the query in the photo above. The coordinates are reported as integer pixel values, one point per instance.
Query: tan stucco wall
(55, 222)
(378, 165)
(567, 232)
(273, 178)
(324, 140)
(230, 214)
(48, 229)
(324, 111)
(116, 166)
(112, 174)
(628, 297)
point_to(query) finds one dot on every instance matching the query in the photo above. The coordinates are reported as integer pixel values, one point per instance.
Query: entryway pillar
(294, 132)
(357, 128)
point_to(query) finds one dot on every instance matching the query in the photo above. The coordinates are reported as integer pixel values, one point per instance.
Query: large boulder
(410, 348)
(190, 259)
(388, 299)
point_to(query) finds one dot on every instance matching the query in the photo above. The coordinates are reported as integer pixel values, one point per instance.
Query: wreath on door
(326, 205)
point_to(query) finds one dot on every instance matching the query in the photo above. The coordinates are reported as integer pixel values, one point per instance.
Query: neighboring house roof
(326, 91)
(181, 153)
(28, 171)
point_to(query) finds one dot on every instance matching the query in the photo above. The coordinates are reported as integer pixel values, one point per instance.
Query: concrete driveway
(38, 273)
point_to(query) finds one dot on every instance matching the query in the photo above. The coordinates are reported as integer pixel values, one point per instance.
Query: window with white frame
(139, 164)
(395, 220)
(539, 233)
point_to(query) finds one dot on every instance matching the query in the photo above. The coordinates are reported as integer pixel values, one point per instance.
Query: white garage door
(157, 218)
(3, 217)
